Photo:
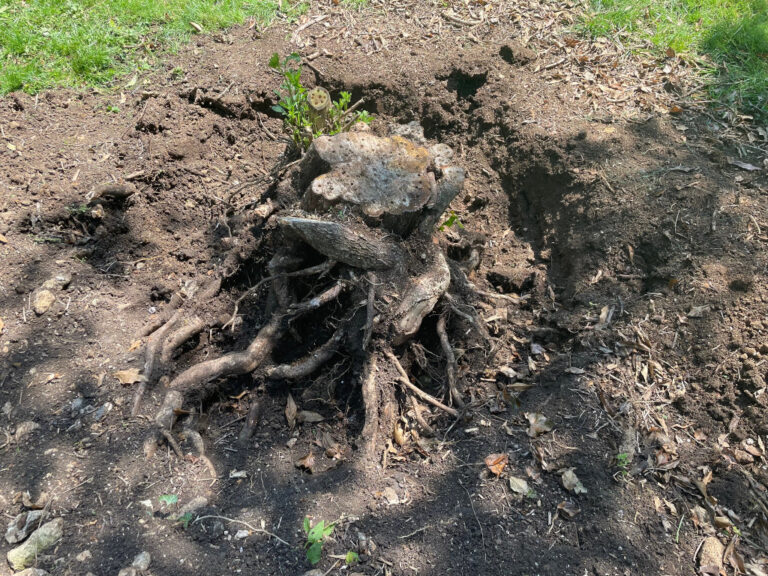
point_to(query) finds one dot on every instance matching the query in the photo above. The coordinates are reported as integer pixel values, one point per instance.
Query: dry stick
(428, 431)
(482, 535)
(172, 443)
(451, 358)
(246, 524)
(371, 402)
(370, 311)
(418, 391)
(250, 422)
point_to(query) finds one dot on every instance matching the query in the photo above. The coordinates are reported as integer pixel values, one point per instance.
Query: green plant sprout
(622, 463)
(293, 105)
(315, 536)
(184, 520)
(451, 221)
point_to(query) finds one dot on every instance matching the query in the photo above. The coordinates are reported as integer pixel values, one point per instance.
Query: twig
(246, 524)
(482, 535)
(418, 391)
(415, 532)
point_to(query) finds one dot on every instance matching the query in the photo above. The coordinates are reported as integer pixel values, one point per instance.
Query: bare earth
(626, 235)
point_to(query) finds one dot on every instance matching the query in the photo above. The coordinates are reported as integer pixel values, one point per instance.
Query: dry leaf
(3, 239)
(308, 462)
(536, 349)
(496, 463)
(743, 165)
(698, 311)
(290, 412)
(572, 483)
(331, 447)
(391, 496)
(2, 325)
(518, 485)
(539, 424)
(399, 433)
(568, 509)
(130, 376)
(531, 364)
(309, 417)
(574, 370)
(134, 345)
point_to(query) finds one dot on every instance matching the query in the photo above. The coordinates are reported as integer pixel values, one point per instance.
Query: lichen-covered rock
(22, 525)
(41, 539)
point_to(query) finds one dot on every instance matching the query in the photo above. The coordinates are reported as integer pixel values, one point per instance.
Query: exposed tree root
(450, 366)
(418, 391)
(371, 218)
(309, 364)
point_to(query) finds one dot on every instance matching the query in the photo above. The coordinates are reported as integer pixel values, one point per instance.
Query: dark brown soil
(635, 246)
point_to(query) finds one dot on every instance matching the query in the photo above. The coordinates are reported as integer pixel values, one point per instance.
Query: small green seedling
(293, 105)
(184, 520)
(352, 558)
(451, 221)
(315, 536)
(622, 463)
(168, 499)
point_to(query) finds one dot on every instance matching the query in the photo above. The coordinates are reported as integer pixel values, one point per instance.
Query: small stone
(241, 534)
(40, 540)
(128, 572)
(24, 429)
(194, 505)
(84, 556)
(711, 556)
(32, 572)
(142, 561)
(22, 525)
(43, 301)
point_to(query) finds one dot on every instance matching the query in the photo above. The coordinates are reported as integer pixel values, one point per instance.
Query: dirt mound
(618, 268)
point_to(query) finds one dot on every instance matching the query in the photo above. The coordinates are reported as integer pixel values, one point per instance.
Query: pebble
(40, 540)
(42, 301)
(241, 534)
(142, 561)
(711, 555)
(21, 526)
(84, 556)
(24, 429)
(32, 572)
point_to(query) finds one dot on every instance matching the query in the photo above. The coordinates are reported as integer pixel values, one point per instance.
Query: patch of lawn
(45, 43)
(731, 34)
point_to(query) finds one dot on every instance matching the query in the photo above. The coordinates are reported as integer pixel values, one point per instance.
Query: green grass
(46, 43)
(729, 36)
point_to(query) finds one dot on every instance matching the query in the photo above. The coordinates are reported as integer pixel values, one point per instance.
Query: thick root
(309, 364)
(232, 364)
(421, 297)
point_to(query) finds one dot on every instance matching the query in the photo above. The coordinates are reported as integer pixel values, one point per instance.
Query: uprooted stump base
(355, 249)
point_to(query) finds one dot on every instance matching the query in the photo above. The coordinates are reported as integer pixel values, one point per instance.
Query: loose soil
(629, 253)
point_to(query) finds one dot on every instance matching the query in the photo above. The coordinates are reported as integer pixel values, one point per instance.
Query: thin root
(418, 391)
(451, 362)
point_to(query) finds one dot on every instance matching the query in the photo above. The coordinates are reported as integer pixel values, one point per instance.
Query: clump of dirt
(617, 268)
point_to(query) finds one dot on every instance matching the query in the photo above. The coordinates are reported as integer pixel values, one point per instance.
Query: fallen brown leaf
(568, 509)
(309, 417)
(290, 412)
(130, 376)
(539, 424)
(308, 462)
(496, 463)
